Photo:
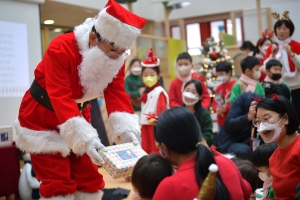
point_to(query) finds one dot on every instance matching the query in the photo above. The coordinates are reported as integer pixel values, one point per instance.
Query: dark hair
(259, 43)
(197, 106)
(184, 55)
(179, 130)
(262, 154)
(133, 61)
(272, 63)
(249, 63)
(224, 67)
(148, 172)
(248, 172)
(247, 45)
(281, 106)
(288, 23)
(282, 89)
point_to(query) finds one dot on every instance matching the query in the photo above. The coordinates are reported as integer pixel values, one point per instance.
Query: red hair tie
(256, 99)
(275, 97)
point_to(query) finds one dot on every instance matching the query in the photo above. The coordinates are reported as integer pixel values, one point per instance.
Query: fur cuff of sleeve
(77, 133)
(122, 122)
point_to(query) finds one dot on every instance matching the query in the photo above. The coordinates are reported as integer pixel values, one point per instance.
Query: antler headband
(285, 16)
(266, 35)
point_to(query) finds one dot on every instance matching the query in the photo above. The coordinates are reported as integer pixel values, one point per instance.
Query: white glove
(92, 149)
(129, 137)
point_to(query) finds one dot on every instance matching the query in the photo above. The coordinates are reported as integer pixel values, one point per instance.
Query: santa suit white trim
(32, 141)
(122, 122)
(151, 104)
(90, 196)
(77, 133)
(68, 197)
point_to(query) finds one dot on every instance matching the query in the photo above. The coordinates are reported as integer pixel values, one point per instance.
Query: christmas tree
(212, 53)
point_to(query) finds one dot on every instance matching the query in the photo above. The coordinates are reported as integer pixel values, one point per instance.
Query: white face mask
(189, 95)
(136, 71)
(223, 79)
(184, 70)
(256, 75)
(162, 155)
(264, 175)
(277, 130)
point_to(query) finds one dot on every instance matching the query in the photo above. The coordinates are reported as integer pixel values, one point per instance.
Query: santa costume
(54, 117)
(154, 101)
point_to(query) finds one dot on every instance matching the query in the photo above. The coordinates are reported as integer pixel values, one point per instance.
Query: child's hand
(141, 90)
(252, 111)
(220, 110)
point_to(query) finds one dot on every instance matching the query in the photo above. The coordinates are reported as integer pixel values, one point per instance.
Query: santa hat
(208, 188)
(151, 60)
(116, 24)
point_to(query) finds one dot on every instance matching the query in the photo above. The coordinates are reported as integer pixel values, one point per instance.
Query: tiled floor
(115, 183)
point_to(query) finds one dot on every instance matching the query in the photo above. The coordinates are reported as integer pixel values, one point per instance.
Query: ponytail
(204, 159)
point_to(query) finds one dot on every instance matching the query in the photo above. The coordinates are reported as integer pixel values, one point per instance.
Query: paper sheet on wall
(14, 64)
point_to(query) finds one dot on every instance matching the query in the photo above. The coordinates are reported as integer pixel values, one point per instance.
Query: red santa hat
(116, 24)
(151, 60)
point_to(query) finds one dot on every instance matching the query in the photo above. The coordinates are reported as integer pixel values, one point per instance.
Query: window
(193, 38)
(214, 28)
(238, 25)
(175, 32)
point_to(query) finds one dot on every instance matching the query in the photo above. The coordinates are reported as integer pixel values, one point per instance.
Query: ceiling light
(57, 30)
(179, 5)
(49, 22)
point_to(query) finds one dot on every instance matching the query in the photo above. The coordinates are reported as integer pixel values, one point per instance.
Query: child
(248, 172)
(221, 101)
(154, 100)
(134, 85)
(148, 172)
(260, 160)
(191, 98)
(184, 74)
(274, 72)
(248, 80)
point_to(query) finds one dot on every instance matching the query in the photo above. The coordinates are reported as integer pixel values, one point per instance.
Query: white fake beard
(96, 71)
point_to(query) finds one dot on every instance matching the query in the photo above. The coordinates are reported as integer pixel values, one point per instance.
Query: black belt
(41, 96)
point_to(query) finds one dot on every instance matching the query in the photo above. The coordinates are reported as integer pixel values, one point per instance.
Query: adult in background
(287, 51)
(54, 117)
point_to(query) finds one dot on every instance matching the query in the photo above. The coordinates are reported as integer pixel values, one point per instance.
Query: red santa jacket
(37, 128)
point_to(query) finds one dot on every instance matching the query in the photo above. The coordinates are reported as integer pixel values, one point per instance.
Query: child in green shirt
(248, 80)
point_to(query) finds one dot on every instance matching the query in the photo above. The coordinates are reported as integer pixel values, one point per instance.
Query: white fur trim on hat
(112, 29)
(123, 122)
(40, 142)
(77, 133)
(82, 33)
(67, 197)
(151, 65)
(90, 196)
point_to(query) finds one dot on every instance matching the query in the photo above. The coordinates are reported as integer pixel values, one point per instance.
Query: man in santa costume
(54, 117)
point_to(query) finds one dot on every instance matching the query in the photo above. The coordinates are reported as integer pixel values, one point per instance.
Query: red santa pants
(62, 176)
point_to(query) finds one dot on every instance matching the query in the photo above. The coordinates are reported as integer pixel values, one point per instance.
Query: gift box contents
(120, 159)
(6, 138)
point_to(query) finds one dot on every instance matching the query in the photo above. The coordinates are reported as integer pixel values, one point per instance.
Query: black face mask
(276, 77)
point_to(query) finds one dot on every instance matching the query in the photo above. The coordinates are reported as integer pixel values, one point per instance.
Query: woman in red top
(277, 121)
(178, 135)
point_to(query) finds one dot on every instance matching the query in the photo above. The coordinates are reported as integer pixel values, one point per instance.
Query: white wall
(250, 20)
(26, 12)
